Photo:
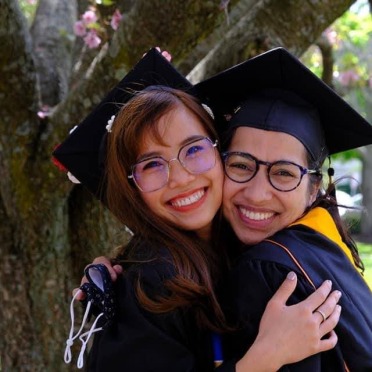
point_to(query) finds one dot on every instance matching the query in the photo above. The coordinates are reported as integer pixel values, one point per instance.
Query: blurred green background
(365, 251)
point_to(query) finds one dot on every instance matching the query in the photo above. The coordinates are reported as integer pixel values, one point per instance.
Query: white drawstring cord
(99, 294)
(72, 337)
(85, 341)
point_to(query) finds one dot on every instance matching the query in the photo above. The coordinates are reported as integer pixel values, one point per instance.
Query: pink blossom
(224, 4)
(167, 55)
(115, 20)
(331, 35)
(348, 77)
(89, 17)
(44, 112)
(92, 39)
(164, 53)
(31, 2)
(79, 28)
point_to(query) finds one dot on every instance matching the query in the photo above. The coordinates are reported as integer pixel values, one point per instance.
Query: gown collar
(320, 220)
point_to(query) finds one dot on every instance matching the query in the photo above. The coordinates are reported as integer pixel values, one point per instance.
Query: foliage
(365, 251)
(28, 8)
(105, 2)
(350, 39)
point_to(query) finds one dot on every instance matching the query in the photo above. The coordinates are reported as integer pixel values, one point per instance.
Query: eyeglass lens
(196, 157)
(283, 176)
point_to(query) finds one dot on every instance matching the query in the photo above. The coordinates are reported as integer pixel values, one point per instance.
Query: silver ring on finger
(322, 314)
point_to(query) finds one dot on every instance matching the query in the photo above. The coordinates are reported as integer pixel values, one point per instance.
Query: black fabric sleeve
(138, 340)
(251, 285)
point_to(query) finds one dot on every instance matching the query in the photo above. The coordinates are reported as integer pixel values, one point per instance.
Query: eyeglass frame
(214, 145)
(269, 165)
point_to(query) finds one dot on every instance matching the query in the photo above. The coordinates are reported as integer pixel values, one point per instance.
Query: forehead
(268, 145)
(172, 129)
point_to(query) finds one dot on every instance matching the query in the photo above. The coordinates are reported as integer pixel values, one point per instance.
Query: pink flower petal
(79, 28)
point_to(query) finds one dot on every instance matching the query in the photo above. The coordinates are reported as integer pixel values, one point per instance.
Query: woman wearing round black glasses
(281, 123)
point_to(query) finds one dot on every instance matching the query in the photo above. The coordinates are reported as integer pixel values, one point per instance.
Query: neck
(205, 233)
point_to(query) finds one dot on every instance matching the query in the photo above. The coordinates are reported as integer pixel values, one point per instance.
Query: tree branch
(268, 24)
(326, 50)
(53, 40)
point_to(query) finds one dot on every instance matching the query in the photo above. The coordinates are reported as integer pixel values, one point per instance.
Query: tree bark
(366, 225)
(366, 222)
(326, 51)
(51, 229)
(266, 24)
(52, 45)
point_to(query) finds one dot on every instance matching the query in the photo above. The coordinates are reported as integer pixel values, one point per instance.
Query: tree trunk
(49, 228)
(366, 225)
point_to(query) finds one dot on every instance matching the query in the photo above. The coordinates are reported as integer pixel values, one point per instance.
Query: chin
(249, 240)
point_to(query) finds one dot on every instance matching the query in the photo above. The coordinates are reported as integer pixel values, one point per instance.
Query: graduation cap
(275, 91)
(82, 153)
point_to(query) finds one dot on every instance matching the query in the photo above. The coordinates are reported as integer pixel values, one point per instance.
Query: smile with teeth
(257, 216)
(191, 199)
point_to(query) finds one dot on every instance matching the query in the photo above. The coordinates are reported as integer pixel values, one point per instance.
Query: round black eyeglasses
(283, 175)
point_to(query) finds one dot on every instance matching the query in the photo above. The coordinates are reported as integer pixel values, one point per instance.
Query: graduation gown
(138, 340)
(317, 246)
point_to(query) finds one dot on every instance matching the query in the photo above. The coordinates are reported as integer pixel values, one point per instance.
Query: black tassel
(331, 186)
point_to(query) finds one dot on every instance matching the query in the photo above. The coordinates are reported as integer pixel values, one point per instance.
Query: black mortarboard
(275, 91)
(81, 152)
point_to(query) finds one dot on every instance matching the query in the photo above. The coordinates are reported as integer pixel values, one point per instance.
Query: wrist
(260, 357)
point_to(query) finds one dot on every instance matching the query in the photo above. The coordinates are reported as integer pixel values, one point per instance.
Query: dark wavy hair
(327, 199)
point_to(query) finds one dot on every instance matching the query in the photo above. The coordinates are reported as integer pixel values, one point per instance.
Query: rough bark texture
(49, 230)
(265, 24)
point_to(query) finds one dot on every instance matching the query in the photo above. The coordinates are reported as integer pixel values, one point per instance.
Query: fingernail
(118, 268)
(291, 275)
(338, 294)
(339, 308)
(329, 282)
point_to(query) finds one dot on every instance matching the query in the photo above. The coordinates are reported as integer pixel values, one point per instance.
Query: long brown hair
(196, 263)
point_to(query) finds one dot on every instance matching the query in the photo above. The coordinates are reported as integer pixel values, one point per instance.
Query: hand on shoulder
(288, 334)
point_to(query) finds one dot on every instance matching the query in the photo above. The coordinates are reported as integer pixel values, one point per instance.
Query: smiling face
(188, 200)
(255, 209)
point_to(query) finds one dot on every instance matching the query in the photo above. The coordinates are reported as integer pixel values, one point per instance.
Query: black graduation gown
(263, 267)
(137, 340)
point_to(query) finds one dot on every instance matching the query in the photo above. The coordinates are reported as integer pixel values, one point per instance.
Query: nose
(178, 175)
(258, 189)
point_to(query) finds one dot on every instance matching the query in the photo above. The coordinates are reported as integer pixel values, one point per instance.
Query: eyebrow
(274, 161)
(153, 154)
